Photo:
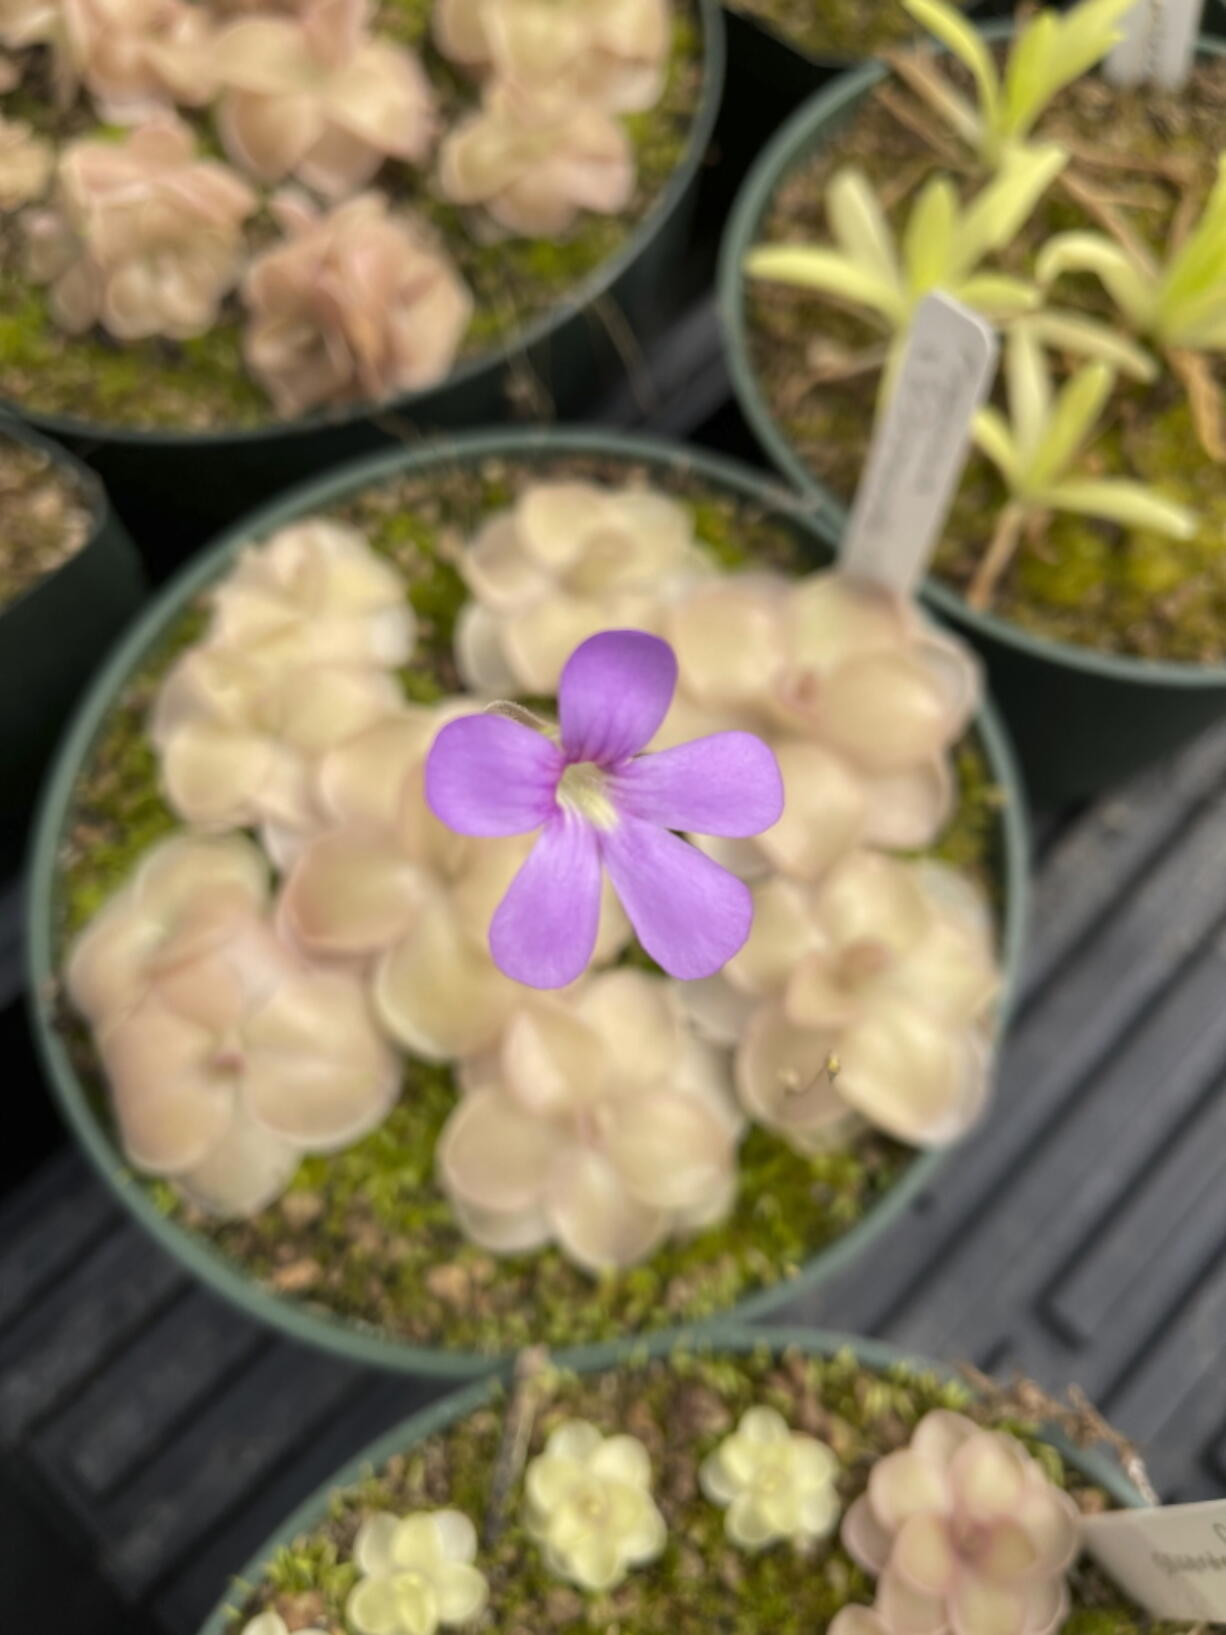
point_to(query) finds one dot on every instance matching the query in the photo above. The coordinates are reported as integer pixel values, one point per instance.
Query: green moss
(203, 384)
(680, 1409)
(367, 1233)
(1073, 579)
(841, 28)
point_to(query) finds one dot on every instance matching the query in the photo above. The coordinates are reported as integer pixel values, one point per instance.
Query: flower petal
(544, 930)
(615, 691)
(488, 775)
(727, 784)
(690, 915)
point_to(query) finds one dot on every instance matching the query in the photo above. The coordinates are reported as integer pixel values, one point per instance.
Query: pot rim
(838, 62)
(800, 137)
(713, 55)
(346, 1337)
(732, 1338)
(97, 501)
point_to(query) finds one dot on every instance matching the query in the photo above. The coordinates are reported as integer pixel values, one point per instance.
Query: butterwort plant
(603, 805)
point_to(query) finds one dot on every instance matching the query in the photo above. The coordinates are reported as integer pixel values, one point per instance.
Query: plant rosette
(69, 581)
(402, 1123)
(775, 1482)
(414, 208)
(1093, 589)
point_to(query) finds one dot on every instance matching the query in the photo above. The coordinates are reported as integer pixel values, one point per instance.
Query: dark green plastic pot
(1081, 720)
(353, 1340)
(411, 1433)
(52, 637)
(177, 489)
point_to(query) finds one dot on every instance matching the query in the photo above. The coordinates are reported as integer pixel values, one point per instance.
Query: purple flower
(600, 803)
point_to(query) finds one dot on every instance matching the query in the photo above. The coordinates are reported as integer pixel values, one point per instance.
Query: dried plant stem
(1078, 1418)
(516, 1437)
(1170, 167)
(930, 86)
(1085, 194)
(996, 558)
(1195, 374)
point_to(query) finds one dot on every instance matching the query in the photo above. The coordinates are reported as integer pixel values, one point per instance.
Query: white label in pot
(1159, 44)
(920, 446)
(1171, 1560)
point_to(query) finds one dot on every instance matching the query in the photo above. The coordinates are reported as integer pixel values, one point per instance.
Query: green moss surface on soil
(367, 1233)
(202, 385)
(44, 518)
(1150, 155)
(680, 1409)
(840, 28)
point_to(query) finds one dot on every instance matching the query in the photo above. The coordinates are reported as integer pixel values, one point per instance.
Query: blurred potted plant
(1081, 556)
(323, 227)
(760, 1478)
(249, 868)
(69, 580)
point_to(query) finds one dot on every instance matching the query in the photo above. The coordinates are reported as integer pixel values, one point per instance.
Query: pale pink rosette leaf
(599, 1123)
(142, 237)
(534, 162)
(315, 96)
(610, 52)
(357, 304)
(568, 560)
(964, 1533)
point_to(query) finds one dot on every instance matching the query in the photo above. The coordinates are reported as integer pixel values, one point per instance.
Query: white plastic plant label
(1159, 44)
(1171, 1561)
(920, 446)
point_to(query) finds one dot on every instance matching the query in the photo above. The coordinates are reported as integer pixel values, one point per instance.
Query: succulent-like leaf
(1048, 53)
(830, 273)
(1131, 504)
(967, 44)
(998, 213)
(1087, 338)
(1037, 449)
(942, 245)
(1180, 302)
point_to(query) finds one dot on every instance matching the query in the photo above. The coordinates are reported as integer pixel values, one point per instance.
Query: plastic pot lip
(713, 55)
(799, 137)
(351, 1339)
(838, 62)
(725, 1338)
(101, 517)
